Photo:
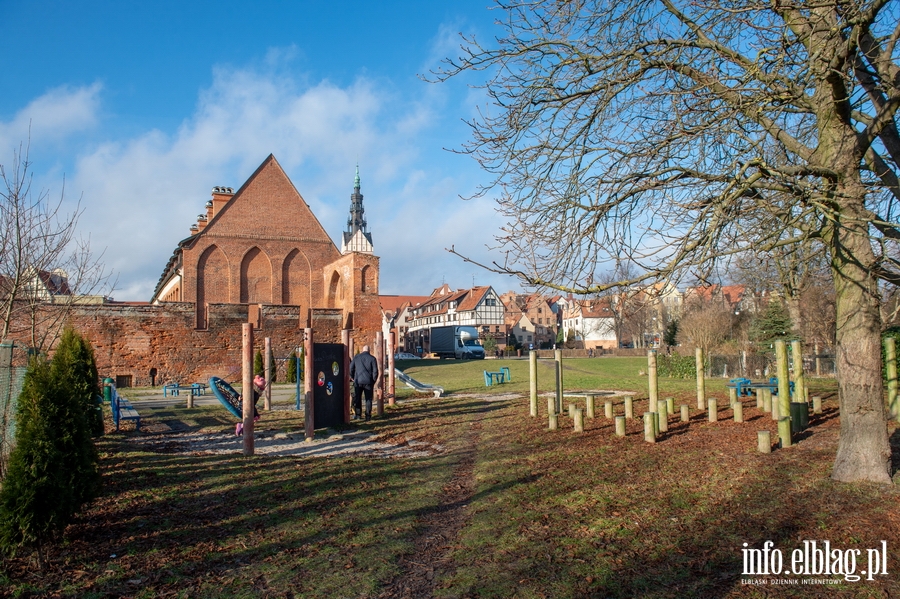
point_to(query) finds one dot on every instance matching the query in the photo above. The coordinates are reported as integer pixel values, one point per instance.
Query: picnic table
(491, 377)
(199, 388)
(171, 389)
(745, 386)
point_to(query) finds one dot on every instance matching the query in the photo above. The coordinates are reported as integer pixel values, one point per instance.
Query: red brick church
(256, 255)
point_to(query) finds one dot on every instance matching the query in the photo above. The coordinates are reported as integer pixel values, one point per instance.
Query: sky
(138, 109)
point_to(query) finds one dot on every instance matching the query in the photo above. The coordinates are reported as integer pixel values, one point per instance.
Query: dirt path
(440, 529)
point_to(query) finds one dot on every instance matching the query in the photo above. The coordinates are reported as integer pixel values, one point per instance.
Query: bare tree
(45, 269)
(677, 133)
(705, 325)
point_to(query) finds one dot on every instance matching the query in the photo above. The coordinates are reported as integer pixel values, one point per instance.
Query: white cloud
(52, 117)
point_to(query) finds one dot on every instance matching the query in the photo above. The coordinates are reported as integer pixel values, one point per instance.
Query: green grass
(550, 513)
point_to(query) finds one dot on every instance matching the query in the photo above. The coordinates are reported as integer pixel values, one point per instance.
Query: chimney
(201, 222)
(220, 197)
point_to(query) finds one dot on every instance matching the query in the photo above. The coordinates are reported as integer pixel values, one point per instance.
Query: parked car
(406, 356)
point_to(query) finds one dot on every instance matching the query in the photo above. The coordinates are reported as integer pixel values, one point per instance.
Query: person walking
(364, 372)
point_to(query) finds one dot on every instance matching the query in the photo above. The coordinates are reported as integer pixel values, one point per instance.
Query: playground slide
(413, 383)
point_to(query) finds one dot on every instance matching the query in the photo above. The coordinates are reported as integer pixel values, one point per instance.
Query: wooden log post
(558, 378)
(629, 407)
(309, 378)
(267, 366)
(800, 390)
(578, 417)
(685, 413)
(784, 380)
(767, 400)
(379, 384)
(553, 421)
(620, 426)
(670, 405)
(391, 379)
(662, 408)
(652, 379)
(571, 410)
(247, 385)
(532, 384)
(649, 427)
(764, 442)
(776, 410)
(738, 408)
(759, 398)
(589, 404)
(817, 404)
(732, 396)
(890, 363)
(551, 404)
(784, 431)
(701, 380)
(346, 340)
(608, 409)
(713, 409)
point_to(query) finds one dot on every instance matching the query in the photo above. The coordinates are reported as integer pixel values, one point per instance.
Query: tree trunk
(864, 452)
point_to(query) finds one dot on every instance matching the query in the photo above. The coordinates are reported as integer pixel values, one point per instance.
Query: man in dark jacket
(364, 372)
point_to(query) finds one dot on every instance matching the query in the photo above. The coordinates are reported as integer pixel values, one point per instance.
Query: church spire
(356, 238)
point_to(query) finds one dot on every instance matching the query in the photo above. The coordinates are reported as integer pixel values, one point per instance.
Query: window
(490, 302)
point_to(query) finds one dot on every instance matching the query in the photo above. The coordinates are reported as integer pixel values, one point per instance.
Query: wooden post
(391, 382)
(767, 400)
(608, 409)
(532, 378)
(818, 360)
(553, 421)
(776, 410)
(579, 420)
(713, 409)
(551, 404)
(190, 398)
(670, 405)
(764, 442)
(759, 398)
(620, 426)
(817, 404)
(784, 431)
(738, 408)
(784, 380)
(379, 384)
(557, 356)
(649, 428)
(685, 413)
(571, 410)
(346, 339)
(890, 362)
(629, 406)
(247, 385)
(663, 410)
(799, 377)
(309, 379)
(701, 381)
(652, 379)
(732, 396)
(589, 404)
(267, 365)
(558, 378)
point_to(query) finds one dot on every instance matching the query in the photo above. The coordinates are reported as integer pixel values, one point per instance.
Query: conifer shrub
(258, 364)
(53, 469)
(292, 368)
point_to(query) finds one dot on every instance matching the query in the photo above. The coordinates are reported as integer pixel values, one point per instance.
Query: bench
(171, 389)
(491, 377)
(123, 410)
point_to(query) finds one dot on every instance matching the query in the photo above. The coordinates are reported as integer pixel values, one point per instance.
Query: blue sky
(142, 107)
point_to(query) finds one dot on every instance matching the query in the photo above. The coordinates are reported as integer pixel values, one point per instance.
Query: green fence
(13, 363)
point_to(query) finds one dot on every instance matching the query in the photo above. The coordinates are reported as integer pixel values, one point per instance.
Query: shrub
(676, 367)
(291, 375)
(53, 469)
(258, 364)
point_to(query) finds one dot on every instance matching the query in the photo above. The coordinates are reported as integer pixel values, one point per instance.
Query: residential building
(478, 307)
(593, 323)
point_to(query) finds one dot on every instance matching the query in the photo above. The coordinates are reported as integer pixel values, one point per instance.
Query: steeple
(356, 238)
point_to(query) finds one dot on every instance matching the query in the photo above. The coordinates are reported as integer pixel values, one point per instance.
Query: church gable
(270, 206)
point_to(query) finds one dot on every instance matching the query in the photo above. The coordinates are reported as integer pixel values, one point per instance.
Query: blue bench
(491, 377)
(171, 389)
(123, 410)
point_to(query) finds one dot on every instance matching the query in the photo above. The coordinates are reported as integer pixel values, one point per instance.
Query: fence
(13, 363)
(763, 366)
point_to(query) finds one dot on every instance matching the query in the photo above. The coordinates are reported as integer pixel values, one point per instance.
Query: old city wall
(131, 340)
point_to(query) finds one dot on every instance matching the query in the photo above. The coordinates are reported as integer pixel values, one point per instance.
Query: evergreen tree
(772, 325)
(258, 364)
(272, 362)
(53, 469)
(292, 368)
(670, 337)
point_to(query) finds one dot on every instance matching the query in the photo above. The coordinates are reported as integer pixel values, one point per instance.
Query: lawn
(506, 509)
